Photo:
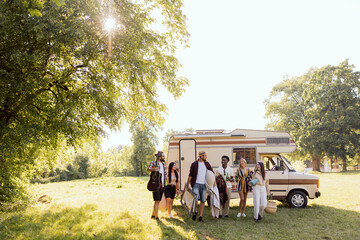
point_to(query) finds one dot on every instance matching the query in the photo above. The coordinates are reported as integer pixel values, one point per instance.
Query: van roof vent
(210, 131)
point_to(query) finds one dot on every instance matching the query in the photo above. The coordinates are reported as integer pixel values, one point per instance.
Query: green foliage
(121, 164)
(321, 109)
(85, 164)
(145, 142)
(57, 83)
(82, 163)
(144, 149)
(114, 162)
(334, 92)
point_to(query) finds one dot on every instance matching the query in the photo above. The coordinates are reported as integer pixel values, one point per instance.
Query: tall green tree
(287, 109)
(57, 81)
(145, 141)
(334, 92)
(321, 110)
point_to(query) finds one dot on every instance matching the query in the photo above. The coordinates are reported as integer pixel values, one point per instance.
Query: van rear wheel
(297, 199)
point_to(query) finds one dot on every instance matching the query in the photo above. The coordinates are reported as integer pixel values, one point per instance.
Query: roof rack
(210, 131)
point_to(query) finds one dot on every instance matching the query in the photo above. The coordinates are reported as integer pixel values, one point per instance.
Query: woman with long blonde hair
(243, 173)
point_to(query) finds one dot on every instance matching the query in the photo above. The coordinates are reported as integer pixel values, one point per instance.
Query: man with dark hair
(158, 166)
(228, 175)
(197, 179)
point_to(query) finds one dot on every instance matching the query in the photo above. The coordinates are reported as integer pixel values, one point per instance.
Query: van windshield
(291, 169)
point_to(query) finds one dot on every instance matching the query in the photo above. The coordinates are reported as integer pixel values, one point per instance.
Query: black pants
(158, 195)
(170, 191)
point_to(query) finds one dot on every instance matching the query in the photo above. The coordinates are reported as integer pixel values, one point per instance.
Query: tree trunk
(331, 163)
(336, 165)
(315, 163)
(344, 164)
(141, 171)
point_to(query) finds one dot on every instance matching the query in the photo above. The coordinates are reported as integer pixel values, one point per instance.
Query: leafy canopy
(321, 109)
(57, 82)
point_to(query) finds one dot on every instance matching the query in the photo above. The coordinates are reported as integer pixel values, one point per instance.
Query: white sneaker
(170, 215)
(239, 215)
(243, 215)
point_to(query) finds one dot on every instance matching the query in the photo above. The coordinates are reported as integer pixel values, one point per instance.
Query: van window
(272, 163)
(247, 153)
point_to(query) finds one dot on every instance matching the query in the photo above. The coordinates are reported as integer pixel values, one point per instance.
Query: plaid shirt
(154, 165)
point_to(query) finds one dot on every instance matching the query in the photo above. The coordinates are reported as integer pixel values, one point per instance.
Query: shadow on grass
(71, 223)
(313, 222)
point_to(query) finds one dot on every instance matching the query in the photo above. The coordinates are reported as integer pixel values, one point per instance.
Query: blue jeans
(200, 191)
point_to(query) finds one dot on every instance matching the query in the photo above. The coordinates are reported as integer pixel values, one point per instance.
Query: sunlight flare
(109, 24)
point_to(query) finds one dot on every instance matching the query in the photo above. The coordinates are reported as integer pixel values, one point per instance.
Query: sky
(239, 50)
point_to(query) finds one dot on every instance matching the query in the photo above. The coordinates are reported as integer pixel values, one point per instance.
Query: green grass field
(120, 208)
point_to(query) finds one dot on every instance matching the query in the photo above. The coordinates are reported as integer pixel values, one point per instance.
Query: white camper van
(254, 145)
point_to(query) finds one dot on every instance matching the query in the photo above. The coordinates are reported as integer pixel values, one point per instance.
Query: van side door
(278, 176)
(187, 157)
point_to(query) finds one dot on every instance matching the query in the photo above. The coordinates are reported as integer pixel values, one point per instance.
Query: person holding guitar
(159, 166)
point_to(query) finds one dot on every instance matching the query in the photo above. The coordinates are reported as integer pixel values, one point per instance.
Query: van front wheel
(297, 199)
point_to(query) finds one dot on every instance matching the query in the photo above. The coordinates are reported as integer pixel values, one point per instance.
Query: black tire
(297, 199)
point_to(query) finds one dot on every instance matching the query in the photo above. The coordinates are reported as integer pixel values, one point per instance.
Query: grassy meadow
(120, 208)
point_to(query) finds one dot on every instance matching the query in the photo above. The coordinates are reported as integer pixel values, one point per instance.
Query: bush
(55, 179)
(13, 193)
(60, 175)
(63, 175)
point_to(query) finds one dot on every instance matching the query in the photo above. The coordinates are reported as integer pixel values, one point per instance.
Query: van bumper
(317, 194)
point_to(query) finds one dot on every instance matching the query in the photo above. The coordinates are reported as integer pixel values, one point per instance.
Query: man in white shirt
(228, 174)
(197, 179)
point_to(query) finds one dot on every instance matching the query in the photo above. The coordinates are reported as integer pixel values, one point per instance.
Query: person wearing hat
(159, 166)
(197, 180)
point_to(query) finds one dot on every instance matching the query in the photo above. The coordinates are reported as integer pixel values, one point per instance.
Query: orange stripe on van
(224, 142)
(292, 181)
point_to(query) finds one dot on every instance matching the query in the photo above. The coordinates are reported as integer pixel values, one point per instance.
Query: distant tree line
(116, 161)
(91, 162)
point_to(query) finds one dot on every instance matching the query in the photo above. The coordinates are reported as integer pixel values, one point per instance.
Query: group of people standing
(246, 179)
